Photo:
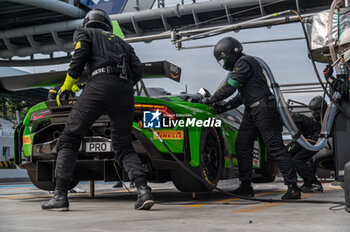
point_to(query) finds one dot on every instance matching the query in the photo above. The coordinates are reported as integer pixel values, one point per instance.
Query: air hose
(283, 109)
(187, 169)
(288, 120)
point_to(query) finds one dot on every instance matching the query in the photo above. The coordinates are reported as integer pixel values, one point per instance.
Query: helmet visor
(221, 62)
(222, 59)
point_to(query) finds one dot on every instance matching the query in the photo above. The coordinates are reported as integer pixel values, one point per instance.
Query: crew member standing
(260, 115)
(114, 68)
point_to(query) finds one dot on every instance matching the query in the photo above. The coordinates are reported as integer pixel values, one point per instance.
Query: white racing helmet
(344, 45)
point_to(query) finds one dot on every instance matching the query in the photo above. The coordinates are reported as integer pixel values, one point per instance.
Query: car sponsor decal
(175, 135)
(26, 140)
(172, 71)
(98, 147)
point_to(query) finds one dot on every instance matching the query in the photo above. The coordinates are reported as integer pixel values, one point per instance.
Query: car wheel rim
(211, 158)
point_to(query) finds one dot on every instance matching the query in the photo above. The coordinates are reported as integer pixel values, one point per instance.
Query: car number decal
(98, 147)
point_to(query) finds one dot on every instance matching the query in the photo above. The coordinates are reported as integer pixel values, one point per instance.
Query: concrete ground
(112, 210)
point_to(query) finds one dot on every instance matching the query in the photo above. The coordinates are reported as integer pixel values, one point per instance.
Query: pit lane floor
(112, 210)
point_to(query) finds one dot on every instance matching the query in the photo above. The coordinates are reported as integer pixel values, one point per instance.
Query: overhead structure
(30, 27)
(208, 14)
(30, 96)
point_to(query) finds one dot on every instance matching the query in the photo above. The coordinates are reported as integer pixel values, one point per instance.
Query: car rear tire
(269, 169)
(324, 159)
(209, 169)
(45, 185)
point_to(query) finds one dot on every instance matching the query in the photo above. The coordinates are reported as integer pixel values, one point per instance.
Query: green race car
(194, 132)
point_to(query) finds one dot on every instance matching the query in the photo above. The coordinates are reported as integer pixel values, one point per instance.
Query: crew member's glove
(328, 72)
(220, 108)
(65, 89)
(77, 88)
(206, 101)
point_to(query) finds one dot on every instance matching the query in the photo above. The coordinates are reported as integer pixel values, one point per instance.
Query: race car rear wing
(158, 69)
(161, 69)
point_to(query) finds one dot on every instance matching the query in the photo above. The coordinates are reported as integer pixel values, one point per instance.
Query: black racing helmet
(227, 51)
(98, 19)
(316, 105)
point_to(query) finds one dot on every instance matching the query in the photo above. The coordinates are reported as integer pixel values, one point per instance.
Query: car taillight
(39, 114)
(166, 112)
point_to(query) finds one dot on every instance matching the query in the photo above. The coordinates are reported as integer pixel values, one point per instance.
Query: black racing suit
(260, 118)
(341, 125)
(341, 84)
(103, 93)
(310, 128)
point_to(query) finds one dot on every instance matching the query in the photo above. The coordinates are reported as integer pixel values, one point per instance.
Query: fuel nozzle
(334, 64)
(52, 93)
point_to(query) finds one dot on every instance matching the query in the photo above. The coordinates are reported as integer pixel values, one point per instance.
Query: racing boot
(144, 198)
(293, 193)
(59, 202)
(245, 190)
(311, 187)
